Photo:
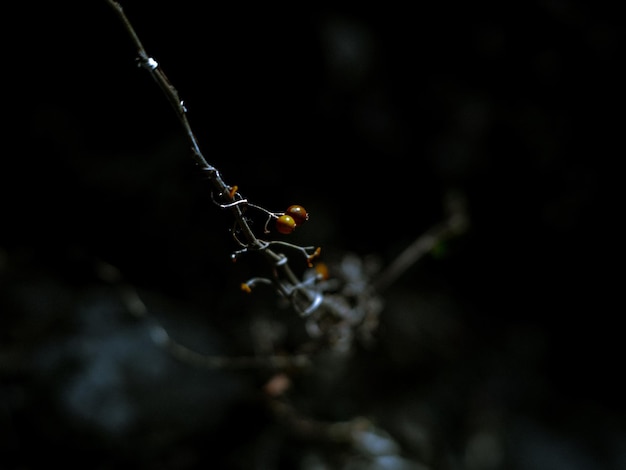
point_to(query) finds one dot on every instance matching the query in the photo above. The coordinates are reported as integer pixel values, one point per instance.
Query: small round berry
(285, 224)
(298, 213)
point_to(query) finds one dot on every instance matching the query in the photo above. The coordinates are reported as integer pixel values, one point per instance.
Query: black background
(366, 116)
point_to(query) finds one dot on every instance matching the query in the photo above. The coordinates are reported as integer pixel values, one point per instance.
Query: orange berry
(285, 224)
(322, 270)
(298, 213)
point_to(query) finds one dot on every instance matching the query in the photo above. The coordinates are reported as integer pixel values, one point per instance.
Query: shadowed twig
(334, 309)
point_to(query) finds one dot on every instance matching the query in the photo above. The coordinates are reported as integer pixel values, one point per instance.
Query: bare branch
(327, 315)
(225, 191)
(454, 225)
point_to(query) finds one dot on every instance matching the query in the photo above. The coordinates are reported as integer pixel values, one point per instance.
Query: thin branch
(189, 356)
(152, 66)
(171, 93)
(157, 73)
(456, 224)
(135, 305)
(304, 298)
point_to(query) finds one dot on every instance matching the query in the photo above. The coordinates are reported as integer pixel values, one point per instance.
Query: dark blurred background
(503, 352)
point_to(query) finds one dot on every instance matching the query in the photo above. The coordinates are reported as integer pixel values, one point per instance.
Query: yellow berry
(285, 224)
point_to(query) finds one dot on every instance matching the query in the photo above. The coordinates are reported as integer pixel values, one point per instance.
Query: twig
(307, 298)
(282, 269)
(454, 225)
(134, 304)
